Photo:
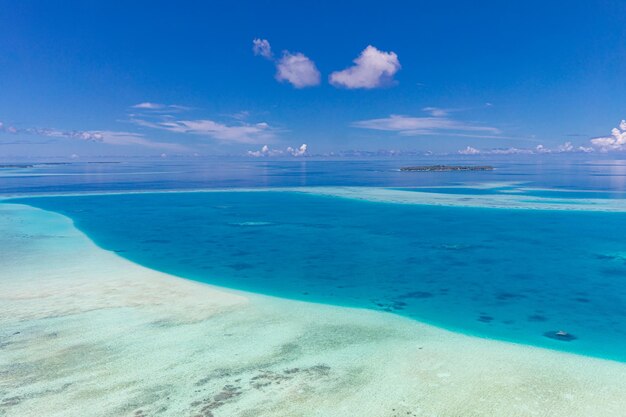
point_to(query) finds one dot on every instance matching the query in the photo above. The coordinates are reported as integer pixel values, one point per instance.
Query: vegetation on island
(446, 168)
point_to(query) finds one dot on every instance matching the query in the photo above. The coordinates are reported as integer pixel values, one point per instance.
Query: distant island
(15, 166)
(32, 165)
(445, 168)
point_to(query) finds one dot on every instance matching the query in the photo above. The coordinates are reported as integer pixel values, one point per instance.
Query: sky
(273, 78)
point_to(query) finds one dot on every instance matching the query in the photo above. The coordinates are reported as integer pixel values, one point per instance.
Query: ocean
(542, 277)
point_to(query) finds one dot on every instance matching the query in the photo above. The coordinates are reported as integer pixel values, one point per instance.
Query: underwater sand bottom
(84, 332)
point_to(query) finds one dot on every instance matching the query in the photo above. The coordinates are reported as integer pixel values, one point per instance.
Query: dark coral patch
(537, 318)
(240, 266)
(506, 296)
(560, 335)
(415, 294)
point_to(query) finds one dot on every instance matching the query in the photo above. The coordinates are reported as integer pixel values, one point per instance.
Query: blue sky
(145, 78)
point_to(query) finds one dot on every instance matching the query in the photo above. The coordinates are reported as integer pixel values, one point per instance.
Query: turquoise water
(517, 275)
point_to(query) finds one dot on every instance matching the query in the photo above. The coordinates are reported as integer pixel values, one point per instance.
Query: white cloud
(158, 107)
(297, 69)
(148, 106)
(509, 151)
(469, 151)
(443, 112)
(542, 149)
(241, 133)
(261, 47)
(240, 115)
(266, 151)
(436, 111)
(298, 151)
(420, 126)
(108, 137)
(8, 129)
(566, 147)
(615, 142)
(127, 138)
(372, 69)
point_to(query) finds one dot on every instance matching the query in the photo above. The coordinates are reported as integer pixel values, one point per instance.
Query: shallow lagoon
(84, 332)
(517, 275)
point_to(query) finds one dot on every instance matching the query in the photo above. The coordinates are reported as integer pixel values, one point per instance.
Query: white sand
(84, 332)
(516, 201)
(510, 199)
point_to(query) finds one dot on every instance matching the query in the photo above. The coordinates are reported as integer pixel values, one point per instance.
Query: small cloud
(261, 47)
(266, 151)
(127, 138)
(294, 68)
(566, 147)
(240, 133)
(441, 112)
(297, 69)
(8, 129)
(436, 111)
(149, 106)
(509, 151)
(422, 126)
(101, 136)
(615, 142)
(469, 151)
(158, 107)
(241, 115)
(372, 69)
(298, 151)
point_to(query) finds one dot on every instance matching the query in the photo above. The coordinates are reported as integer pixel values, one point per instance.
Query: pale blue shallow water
(508, 274)
(565, 194)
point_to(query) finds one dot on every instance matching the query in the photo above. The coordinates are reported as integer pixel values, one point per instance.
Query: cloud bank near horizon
(615, 142)
(289, 151)
(108, 137)
(604, 144)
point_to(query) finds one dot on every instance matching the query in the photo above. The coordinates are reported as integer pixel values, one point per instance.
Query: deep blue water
(606, 177)
(517, 275)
